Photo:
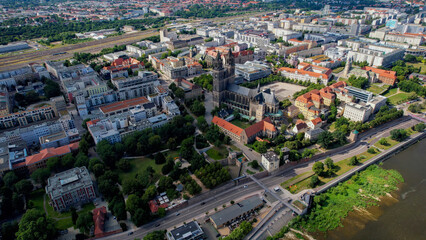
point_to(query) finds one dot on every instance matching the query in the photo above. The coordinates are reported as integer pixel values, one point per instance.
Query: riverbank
(361, 191)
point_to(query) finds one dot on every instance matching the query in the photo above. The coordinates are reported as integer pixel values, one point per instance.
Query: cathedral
(249, 102)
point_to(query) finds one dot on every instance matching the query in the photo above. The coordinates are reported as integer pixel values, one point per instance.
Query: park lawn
(288, 182)
(419, 65)
(234, 148)
(64, 219)
(36, 197)
(391, 143)
(337, 70)
(217, 153)
(137, 165)
(398, 97)
(377, 89)
(249, 172)
(63, 224)
(332, 127)
(390, 92)
(174, 154)
(343, 167)
(241, 124)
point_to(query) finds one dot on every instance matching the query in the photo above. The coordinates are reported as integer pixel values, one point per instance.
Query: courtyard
(283, 90)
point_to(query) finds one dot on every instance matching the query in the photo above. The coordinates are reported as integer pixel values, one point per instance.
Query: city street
(224, 194)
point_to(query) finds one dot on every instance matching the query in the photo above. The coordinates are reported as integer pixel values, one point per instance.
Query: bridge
(276, 196)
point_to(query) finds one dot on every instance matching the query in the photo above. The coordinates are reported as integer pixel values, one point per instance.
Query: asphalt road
(224, 196)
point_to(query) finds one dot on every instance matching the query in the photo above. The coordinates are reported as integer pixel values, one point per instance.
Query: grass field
(398, 97)
(62, 220)
(241, 124)
(305, 178)
(377, 89)
(419, 65)
(217, 153)
(138, 165)
(390, 92)
(339, 69)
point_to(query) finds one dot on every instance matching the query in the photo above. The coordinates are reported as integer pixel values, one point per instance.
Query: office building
(188, 231)
(70, 188)
(270, 161)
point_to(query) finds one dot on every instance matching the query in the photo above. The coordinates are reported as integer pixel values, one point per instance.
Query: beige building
(270, 161)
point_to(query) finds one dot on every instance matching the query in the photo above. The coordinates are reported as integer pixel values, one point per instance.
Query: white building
(270, 161)
(357, 112)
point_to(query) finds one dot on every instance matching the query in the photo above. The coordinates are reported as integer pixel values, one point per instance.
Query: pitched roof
(227, 125)
(264, 125)
(99, 219)
(51, 152)
(316, 121)
(382, 72)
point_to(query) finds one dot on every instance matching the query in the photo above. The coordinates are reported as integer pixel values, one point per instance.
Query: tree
(41, 175)
(84, 222)
(10, 179)
(419, 127)
(34, 225)
(84, 124)
(384, 142)
(54, 164)
(24, 187)
(74, 216)
(168, 167)
(179, 93)
(123, 165)
(171, 143)
(325, 139)
(318, 168)
(165, 183)
(8, 230)
(198, 108)
(84, 146)
(300, 116)
(255, 164)
(202, 123)
(140, 217)
(156, 235)
(133, 203)
(132, 186)
(329, 163)
(371, 150)
(159, 158)
(154, 143)
(314, 181)
(161, 212)
(81, 160)
(67, 161)
(398, 134)
(186, 148)
(353, 161)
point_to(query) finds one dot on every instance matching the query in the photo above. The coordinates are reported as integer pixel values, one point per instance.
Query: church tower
(219, 84)
(223, 74)
(348, 67)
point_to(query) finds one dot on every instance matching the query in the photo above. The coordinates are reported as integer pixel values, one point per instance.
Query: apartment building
(23, 118)
(138, 86)
(270, 161)
(307, 72)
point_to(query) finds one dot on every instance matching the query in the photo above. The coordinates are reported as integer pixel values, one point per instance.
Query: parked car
(130, 233)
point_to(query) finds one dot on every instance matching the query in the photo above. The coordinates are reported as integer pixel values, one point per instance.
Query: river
(400, 216)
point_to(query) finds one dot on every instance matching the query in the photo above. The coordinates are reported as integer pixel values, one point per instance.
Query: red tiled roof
(316, 121)
(153, 206)
(99, 215)
(300, 124)
(51, 152)
(227, 125)
(263, 125)
(382, 72)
